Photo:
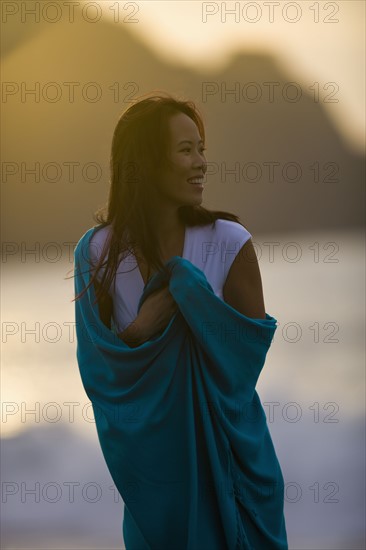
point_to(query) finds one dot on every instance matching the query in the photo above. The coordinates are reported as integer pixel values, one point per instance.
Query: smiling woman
(191, 270)
(158, 172)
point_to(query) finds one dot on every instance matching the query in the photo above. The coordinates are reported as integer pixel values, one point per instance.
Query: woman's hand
(155, 313)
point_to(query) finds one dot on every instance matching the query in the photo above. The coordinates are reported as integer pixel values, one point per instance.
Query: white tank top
(211, 248)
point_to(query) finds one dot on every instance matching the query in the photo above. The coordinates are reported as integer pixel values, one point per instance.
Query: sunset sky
(314, 48)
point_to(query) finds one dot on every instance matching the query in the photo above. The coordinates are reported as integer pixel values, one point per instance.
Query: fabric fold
(179, 421)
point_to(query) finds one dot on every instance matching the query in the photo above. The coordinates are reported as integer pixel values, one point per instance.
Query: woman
(155, 224)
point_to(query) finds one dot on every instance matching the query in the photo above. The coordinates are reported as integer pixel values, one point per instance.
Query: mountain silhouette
(317, 181)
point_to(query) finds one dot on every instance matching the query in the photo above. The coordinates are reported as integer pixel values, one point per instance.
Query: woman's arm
(243, 286)
(131, 335)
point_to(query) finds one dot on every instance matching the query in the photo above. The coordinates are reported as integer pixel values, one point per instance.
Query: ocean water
(56, 489)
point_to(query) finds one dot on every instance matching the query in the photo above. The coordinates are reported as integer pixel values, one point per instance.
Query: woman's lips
(197, 182)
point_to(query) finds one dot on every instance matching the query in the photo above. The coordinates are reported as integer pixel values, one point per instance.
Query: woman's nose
(201, 162)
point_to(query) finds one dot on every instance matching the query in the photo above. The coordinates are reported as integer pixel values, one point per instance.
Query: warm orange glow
(324, 43)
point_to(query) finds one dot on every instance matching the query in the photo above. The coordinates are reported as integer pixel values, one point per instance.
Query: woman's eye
(187, 149)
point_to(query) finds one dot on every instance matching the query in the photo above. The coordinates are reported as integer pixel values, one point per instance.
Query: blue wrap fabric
(180, 424)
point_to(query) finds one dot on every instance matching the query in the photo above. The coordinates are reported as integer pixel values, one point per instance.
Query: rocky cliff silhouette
(317, 180)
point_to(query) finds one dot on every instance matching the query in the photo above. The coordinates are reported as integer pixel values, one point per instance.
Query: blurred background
(281, 89)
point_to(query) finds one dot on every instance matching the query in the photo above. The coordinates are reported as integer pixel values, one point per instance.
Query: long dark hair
(139, 147)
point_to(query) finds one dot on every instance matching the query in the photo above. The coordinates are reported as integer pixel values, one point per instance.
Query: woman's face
(187, 161)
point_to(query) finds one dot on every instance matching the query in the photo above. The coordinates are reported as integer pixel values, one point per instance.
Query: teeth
(196, 180)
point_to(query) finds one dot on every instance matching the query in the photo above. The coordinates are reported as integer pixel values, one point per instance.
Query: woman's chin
(197, 199)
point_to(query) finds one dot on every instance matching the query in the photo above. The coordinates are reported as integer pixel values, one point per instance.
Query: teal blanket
(179, 421)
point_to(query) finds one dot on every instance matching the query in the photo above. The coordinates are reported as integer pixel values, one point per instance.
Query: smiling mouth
(196, 181)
